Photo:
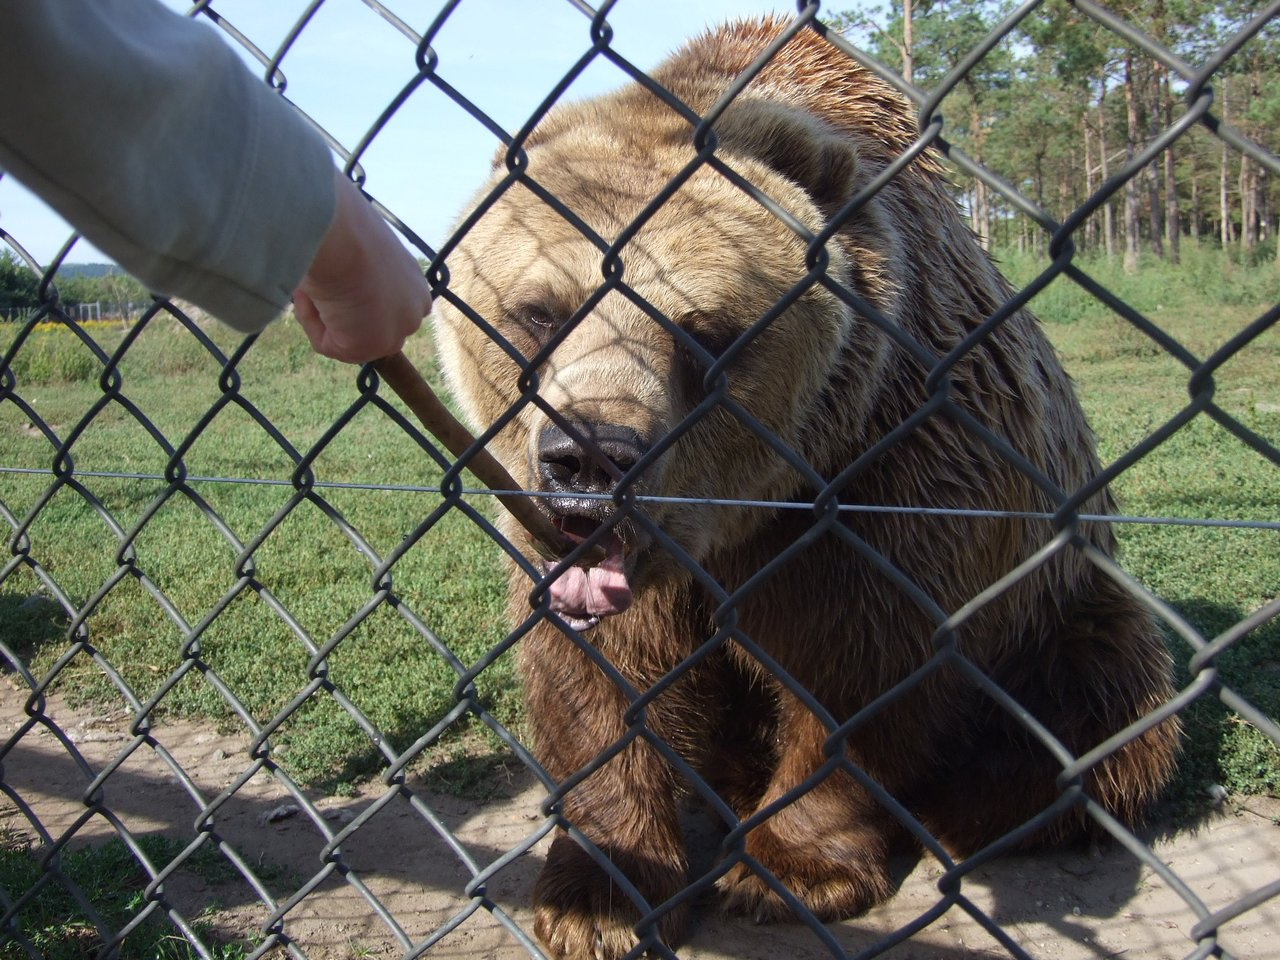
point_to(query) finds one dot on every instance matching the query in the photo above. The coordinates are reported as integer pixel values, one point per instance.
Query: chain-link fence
(222, 835)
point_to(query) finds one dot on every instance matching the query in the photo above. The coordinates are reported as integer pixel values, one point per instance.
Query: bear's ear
(796, 144)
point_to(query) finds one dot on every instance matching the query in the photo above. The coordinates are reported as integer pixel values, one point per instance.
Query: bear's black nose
(591, 462)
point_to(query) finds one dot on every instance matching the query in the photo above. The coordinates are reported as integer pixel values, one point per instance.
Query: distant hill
(89, 270)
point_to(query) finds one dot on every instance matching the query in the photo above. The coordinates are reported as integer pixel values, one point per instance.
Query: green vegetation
(89, 291)
(1060, 105)
(1214, 577)
(58, 927)
(19, 287)
(450, 578)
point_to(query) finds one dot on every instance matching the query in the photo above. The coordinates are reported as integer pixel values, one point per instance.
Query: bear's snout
(579, 468)
(589, 460)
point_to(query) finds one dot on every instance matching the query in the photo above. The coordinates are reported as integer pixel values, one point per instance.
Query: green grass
(55, 924)
(1212, 577)
(451, 578)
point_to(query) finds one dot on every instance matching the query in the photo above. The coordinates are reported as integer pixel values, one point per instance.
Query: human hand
(363, 294)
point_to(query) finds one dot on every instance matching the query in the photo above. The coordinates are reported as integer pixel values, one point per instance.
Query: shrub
(53, 354)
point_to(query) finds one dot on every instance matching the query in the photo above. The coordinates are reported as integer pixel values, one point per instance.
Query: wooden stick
(403, 377)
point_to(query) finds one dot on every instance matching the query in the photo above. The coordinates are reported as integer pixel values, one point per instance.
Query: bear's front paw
(580, 914)
(831, 888)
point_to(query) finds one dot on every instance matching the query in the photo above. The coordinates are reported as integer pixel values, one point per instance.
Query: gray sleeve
(146, 132)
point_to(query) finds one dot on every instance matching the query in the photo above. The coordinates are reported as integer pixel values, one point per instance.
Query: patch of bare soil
(387, 868)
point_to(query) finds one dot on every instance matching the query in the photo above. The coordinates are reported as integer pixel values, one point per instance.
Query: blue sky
(505, 55)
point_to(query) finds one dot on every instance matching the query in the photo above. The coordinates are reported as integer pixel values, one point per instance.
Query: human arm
(145, 132)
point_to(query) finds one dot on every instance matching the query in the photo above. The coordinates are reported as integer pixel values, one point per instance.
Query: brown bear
(699, 354)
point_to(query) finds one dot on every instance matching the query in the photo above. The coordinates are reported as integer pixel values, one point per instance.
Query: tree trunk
(981, 219)
(1248, 203)
(1172, 211)
(1104, 171)
(1090, 225)
(1131, 185)
(1224, 198)
(1193, 220)
(1064, 195)
(1224, 174)
(1266, 214)
(979, 213)
(908, 60)
(1155, 212)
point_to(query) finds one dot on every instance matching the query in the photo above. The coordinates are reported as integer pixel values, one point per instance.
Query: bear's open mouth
(581, 596)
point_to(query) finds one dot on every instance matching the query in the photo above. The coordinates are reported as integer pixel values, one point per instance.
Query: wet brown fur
(1064, 640)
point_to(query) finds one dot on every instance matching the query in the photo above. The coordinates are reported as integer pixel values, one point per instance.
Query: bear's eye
(713, 334)
(535, 316)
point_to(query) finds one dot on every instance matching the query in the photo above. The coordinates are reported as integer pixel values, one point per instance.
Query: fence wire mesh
(75, 770)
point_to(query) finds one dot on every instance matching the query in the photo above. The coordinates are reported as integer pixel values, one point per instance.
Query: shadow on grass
(29, 622)
(1221, 750)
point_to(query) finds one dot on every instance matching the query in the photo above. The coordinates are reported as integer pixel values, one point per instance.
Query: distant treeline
(102, 288)
(88, 270)
(1062, 104)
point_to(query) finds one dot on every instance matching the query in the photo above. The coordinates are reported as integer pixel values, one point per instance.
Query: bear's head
(657, 330)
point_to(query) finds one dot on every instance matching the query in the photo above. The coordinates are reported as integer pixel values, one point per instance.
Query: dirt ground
(1059, 906)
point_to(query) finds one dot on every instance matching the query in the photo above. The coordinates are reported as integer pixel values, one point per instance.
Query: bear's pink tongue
(582, 597)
